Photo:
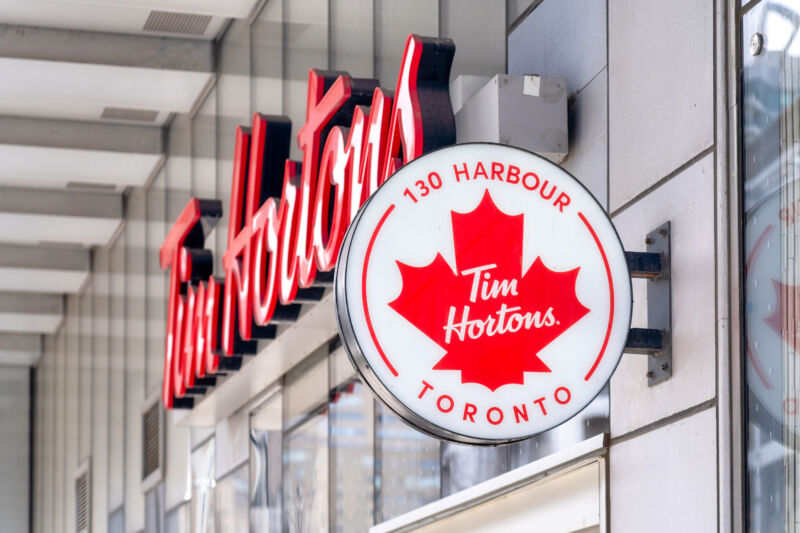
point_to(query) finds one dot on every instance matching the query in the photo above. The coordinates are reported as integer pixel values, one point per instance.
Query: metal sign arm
(655, 341)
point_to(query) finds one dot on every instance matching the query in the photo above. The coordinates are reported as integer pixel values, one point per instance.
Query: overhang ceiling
(88, 87)
(118, 16)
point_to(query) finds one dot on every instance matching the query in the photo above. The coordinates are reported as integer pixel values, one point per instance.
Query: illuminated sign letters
(288, 218)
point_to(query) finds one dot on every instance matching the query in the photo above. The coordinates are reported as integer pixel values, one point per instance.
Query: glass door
(770, 88)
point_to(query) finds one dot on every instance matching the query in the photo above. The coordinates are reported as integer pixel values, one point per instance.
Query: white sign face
(483, 294)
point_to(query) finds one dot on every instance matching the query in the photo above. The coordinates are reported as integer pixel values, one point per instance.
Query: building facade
(680, 112)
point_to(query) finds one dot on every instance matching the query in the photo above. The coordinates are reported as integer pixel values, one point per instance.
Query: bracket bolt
(649, 373)
(648, 240)
(664, 366)
(756, 44)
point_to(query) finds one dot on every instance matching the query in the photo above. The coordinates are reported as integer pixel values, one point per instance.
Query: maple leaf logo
(491, 321)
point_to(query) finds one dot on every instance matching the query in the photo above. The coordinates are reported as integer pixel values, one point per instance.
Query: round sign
(483, 294)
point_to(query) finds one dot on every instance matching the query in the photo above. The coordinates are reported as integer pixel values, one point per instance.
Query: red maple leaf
(491, 321)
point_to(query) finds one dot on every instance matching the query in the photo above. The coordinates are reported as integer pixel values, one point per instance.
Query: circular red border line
(756, 251)
(611, 295)
(755, 358)
(364, 290)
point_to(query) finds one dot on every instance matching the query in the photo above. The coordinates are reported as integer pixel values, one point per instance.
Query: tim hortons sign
(288, 218)
(483, 294)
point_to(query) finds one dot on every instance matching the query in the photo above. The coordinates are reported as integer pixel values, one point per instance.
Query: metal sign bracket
(655, 341)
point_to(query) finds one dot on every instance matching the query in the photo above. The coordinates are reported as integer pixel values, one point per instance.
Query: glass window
(179, 519)
(232, 505)
(116, 521)
(351, 417)
(154, 509)
(265, 467)
(203, 488)
(770, 107)
(465, 466)
(305, 446)
(305, 476)
(407, 466)
(592, 421)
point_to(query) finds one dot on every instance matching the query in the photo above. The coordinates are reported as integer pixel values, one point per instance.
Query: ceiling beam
(30, 303)
(20, 349)
(53, 133)
(21, 342)
(78, 46)
(227, 9)
(61, 203)
(25, 312)
(44, 257)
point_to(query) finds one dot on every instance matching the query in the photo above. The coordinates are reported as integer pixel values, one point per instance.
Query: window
(265, 466)
(770, 107)
(407, 466)
(305, 446)
(350, 417)
(203, 488)
(305, 476)
(232, 504)
(178, 520)
(465, 466)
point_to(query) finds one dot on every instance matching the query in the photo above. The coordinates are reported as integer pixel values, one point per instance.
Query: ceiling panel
(42, 280)
(88, 111)
(108, 16)
(20, 349)
(18, 358)
(29, 322)
(41, 166)
(226, 8)
(34, 229)
(84, 89)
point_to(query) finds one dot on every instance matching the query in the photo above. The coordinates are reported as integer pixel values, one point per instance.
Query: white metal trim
(560, 462)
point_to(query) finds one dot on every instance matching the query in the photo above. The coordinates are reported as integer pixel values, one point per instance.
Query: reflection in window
(771, 163)
(351, 425)
(407, 473)
(233, 501)
(203, 488)
(591, 421)
(116, 521)
(179, 519)
(154, 509)
(265, 467)
(465, 466)
(305, 476)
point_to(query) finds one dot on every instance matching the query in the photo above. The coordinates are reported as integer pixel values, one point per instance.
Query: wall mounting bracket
(655, 341)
